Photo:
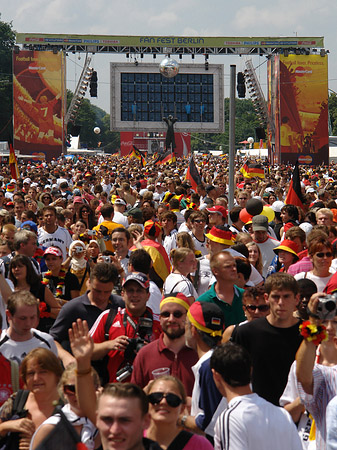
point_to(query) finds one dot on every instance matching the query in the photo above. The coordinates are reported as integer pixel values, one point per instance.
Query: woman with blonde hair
(255, 257)
(183, 264)
(184, 239)
(85, 428)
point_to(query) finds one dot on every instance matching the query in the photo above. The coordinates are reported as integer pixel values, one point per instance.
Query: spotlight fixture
(154, 56)
(322, 52)
(286, 52)
(136, 63)
(180, 56)
(55, 51)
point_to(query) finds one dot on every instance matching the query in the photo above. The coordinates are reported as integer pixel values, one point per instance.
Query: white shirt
(154, 300)
(267, 252)
(320, 282)
(61, 238)
(252, 423)
(17, 350)
(176, 282)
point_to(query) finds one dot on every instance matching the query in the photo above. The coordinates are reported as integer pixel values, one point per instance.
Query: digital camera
(327, 307)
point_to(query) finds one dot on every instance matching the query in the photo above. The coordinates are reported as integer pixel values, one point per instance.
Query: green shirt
(233, 313)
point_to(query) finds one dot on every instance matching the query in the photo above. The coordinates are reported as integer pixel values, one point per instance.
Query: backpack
(11, 441)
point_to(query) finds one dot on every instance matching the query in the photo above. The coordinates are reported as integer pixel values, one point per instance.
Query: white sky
(178, 18)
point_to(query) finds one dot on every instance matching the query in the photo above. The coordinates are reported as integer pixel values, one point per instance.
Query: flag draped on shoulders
(294, 196)
(251, 170)
(13, 164)
(192, 174)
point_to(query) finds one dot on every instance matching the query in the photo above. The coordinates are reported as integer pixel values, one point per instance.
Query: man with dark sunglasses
(170, 349)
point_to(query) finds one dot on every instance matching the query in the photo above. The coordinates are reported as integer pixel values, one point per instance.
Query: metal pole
(231, 186)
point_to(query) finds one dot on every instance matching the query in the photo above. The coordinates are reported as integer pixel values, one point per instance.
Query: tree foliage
(245, 123)
(7, 40)
(333, 114)
(89, 117)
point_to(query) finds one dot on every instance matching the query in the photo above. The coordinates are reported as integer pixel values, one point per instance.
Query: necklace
(59, 292)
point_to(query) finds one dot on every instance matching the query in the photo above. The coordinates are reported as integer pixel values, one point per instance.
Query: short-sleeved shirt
(155, 355)
(60, 238)
(116, 358)
(78, 308)
(17, 350)
(233, 313)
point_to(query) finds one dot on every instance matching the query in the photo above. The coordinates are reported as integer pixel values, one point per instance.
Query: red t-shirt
(116, 357)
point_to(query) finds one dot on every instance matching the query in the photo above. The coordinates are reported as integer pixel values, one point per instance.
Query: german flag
(135, 153)
(251, 170)
(294, 196)
(167, 157)
(13, 164)
(192, 174)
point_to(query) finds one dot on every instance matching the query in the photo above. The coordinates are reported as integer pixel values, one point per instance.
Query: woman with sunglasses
(254, 306)
(84, 427)
(86, 214)
(320, 252)
(167, 399)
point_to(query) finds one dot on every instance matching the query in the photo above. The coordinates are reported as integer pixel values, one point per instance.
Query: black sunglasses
(172, 400)
(70, 388)
(253, 308)
(176, 314)
(322, 254)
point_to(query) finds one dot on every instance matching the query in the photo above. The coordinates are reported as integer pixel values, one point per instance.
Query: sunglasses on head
(176, 314)
(253, 308)
(322, 254)
(70, 388)
(172, 400)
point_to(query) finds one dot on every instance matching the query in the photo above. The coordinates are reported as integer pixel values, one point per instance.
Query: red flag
(294, 196)
(192, 174)
(13, 164)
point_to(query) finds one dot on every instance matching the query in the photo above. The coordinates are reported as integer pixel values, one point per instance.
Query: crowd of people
(152, 315)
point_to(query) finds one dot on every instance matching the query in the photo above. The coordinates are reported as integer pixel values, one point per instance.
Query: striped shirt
(325, 388)
(252, 423)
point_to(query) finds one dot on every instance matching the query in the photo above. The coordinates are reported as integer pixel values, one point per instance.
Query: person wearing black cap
(264, 241)
(114, 333)
(203, 329)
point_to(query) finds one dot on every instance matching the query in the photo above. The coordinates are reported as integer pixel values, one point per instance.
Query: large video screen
(141, 97)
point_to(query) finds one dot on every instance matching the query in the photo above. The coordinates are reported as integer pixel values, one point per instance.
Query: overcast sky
(176, 17)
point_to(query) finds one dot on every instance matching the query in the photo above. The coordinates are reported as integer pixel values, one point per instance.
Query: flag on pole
(13, 164)
(167, 157)
(294, 196)
(135, 153)
(192, 174)
(251, 170)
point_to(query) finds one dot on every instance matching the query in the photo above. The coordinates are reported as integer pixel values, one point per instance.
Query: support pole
(231, 186)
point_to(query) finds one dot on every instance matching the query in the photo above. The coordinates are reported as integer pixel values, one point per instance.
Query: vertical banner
(38, 90)
(304, 132)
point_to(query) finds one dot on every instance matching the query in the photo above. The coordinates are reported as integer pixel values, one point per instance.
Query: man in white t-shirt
(249, 422)
(265, 243)
(21, 336)
(53, 235)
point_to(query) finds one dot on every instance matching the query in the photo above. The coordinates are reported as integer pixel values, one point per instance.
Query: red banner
(38, 102)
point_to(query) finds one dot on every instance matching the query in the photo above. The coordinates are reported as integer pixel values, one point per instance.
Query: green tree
(333, 114)
(7, 40)
(245, 123)
(90, 116)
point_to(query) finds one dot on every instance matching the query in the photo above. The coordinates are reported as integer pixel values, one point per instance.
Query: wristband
(82, 372)
(313, 333)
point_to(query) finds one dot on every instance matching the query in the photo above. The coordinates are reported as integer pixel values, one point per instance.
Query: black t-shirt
(71, 283)
(272, 350)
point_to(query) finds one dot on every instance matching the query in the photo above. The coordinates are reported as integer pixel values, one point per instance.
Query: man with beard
(170, 349)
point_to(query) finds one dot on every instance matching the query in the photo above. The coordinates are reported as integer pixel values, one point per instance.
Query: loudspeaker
(260, 133)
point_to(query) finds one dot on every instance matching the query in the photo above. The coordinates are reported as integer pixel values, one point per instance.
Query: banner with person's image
(304, 108)
(38, 102)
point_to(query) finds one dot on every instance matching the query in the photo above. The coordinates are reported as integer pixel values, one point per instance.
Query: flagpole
(231, 137)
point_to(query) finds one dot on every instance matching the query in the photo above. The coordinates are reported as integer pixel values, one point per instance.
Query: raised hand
(81, 343)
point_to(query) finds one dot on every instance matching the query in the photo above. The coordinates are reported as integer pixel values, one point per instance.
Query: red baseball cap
(219, 210)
